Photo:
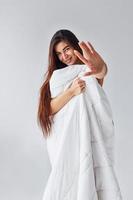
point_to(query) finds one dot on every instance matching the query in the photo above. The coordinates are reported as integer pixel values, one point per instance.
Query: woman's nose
(64, 55)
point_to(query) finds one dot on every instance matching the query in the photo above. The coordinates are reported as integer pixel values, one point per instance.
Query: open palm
(91, 58)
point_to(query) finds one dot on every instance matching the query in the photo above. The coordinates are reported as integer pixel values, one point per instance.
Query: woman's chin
(72, 63)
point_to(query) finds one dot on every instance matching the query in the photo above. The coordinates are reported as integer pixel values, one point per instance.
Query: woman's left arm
(102, 74)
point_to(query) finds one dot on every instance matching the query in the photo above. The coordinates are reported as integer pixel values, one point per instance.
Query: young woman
(65, 49)
(76, 119)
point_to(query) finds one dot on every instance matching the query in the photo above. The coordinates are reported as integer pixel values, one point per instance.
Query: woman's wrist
(70, 92)
(103, 73)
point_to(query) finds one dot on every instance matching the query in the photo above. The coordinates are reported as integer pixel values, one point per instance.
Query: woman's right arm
(76, 88)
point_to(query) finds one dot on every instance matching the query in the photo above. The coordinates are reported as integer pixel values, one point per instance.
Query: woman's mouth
(68, 61)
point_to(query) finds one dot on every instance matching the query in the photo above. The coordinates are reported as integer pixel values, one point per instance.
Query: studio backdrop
(26, 28)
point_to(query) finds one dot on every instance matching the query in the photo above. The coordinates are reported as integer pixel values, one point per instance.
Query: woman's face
(65, 53)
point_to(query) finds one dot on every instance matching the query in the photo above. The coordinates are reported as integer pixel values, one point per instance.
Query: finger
(76, 79)
(81, 81)
(90, 47)
(91, 67)
(83, 89)
(90, 73)
(85, 48)
(80, 57)
(93, 71)
(82, 84)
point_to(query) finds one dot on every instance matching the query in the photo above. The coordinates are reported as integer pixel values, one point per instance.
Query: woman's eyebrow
(63, 48)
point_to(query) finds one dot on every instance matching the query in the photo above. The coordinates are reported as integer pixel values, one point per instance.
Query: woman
(64, 46)
(76, 119)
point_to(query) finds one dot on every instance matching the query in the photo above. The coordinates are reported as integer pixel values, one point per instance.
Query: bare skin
(69, 56)
(93, 60)
(76, 88)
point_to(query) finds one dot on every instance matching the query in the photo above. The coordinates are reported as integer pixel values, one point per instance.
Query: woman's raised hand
(77, 86)
(92, 59)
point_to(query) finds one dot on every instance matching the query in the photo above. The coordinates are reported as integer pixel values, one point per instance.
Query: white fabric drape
(81, 145)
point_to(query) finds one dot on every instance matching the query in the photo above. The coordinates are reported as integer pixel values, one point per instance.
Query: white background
(26, 28)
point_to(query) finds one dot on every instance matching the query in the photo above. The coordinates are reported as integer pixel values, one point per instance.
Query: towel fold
(81, 144)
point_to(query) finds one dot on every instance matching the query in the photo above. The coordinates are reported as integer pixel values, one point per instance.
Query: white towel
(81, 145)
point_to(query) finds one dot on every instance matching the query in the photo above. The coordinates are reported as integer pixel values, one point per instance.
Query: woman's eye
(58, 54)
(68, 48)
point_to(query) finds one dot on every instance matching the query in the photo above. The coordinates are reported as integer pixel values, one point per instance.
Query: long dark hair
(44, 116)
